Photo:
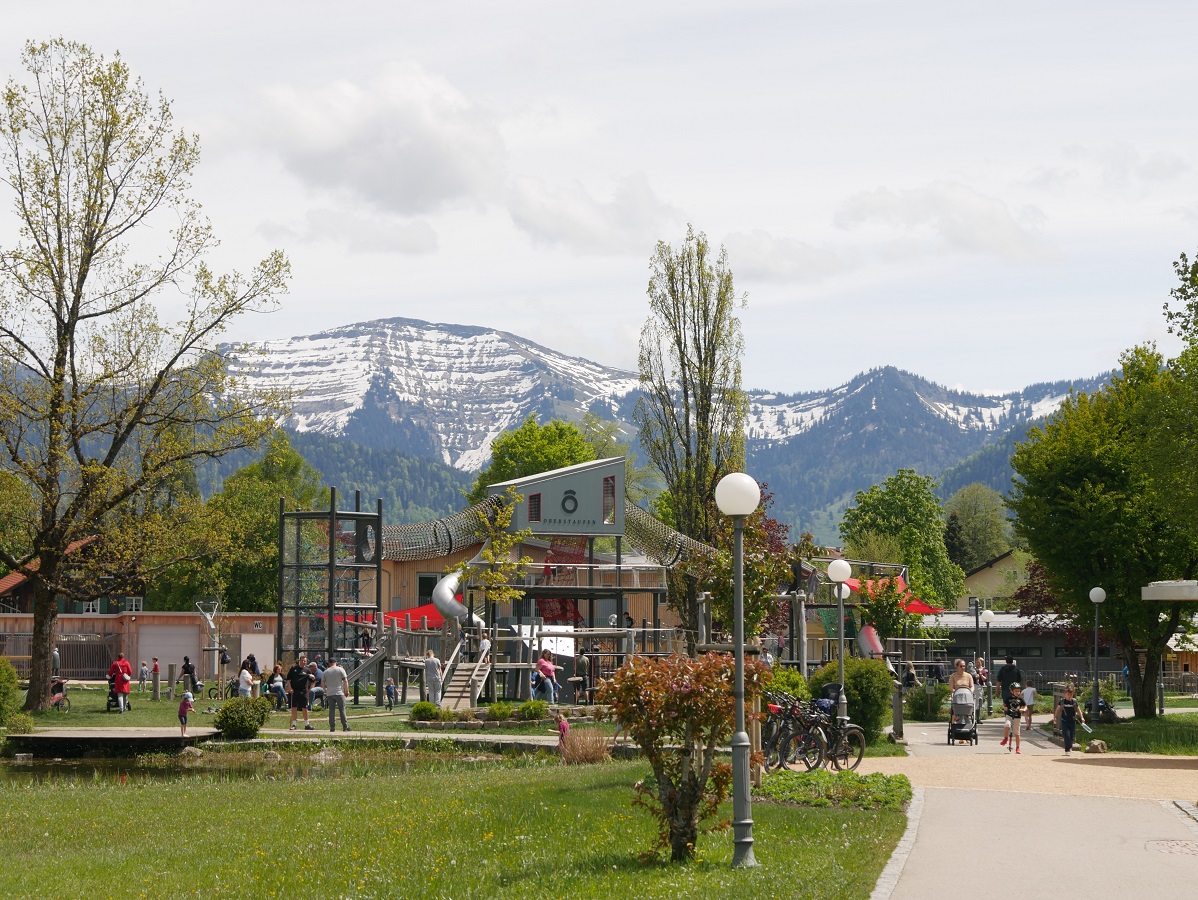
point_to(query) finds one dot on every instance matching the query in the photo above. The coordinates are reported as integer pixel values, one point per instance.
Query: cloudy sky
(988, 196)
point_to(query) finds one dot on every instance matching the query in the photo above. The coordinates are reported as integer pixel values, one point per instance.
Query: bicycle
(791, 737)
(846, 743)
(230, 690)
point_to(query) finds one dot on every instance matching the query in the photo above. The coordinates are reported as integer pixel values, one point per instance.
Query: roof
(964, 621)
(14, 580)
(604, 463)
(990, 563)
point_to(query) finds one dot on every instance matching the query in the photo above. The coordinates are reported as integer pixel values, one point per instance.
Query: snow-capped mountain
(447, 391)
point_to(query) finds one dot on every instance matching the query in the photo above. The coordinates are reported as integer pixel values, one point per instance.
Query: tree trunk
(45, 628)
(1143, 684)
(684, 819)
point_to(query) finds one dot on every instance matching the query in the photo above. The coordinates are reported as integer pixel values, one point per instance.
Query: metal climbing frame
(330, 584)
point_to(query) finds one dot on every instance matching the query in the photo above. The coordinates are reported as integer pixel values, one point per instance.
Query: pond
(230, 767)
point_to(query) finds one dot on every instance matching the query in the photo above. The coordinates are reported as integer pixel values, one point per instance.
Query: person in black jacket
(1008, 675)
(1066, 716)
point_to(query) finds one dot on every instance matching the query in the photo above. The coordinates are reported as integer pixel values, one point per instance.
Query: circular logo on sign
(569, 503)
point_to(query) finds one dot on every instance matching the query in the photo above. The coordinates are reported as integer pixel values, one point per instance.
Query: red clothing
(121, 674)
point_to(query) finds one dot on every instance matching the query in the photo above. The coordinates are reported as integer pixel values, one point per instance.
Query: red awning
(911, 603)
(920, 607)
(435, 619)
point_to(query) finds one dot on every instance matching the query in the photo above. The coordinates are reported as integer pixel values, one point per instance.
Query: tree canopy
(102, 400)
(529, 450)
(1091, 513)
(981, 519)
(905, 508)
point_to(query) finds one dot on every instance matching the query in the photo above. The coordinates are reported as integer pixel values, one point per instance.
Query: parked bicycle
(791, 736)
(846, 742)
(229, 691)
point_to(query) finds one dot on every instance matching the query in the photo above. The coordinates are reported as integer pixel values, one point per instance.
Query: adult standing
(55, 660)
(1008, 675)
(299, 681)
(432, 677)
(981, 677)
(548, 672)
(335, 681)
(245, 680)
(121, 674)
(187, 674)
(582, 671)
(960, 678)
(256, 671)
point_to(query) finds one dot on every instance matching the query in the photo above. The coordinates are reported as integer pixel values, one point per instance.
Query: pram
(113, 702)
(963, 726)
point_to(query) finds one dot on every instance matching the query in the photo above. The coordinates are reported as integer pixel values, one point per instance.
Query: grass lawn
(503, 830)
(1172, 735)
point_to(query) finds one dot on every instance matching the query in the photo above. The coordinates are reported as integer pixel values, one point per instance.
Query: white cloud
(357, 233)
(631, 221)
(960, 216)
(758, 254)
(406, 141)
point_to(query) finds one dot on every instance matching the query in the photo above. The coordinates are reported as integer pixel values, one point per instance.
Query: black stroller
(963, 724)
(113, 702)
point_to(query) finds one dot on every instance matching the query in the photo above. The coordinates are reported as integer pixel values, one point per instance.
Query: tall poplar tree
(692, 413)
(102, 400)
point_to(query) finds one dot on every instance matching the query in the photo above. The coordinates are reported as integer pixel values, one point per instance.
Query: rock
(327, 755)
(272, 756)
(191, 752)
(1096, 746)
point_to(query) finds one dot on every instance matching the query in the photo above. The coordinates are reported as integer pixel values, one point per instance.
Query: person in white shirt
(334, 682)
(1029, 698)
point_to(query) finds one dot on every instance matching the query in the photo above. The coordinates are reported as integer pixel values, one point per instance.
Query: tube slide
(446, 603)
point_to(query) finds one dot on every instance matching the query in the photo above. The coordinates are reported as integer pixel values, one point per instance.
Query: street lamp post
(1097, 596)
(976, 605)
(988, 617)
(839, 571)
(737, 495)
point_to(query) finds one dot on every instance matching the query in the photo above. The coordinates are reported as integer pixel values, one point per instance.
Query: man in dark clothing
(187, 674)
(299, 682)
(1066, 716)
(1007, 676)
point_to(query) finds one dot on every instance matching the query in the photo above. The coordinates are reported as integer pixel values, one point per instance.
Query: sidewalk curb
(889, 878)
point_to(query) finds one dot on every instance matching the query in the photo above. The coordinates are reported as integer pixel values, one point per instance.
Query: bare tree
(102, 402)
(692, 414)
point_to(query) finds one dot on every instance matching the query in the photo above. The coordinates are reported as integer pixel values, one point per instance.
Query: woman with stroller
(959, 679)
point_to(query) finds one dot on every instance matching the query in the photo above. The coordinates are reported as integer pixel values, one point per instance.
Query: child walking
(1013, 712)
(185, 706)
(392, 693)
(143, 675)
(1066, 716)
(562, 727)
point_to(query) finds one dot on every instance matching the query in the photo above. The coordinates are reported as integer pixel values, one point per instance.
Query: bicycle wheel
(214, 693)
(849, 749)
(805, 750)
(771, 731)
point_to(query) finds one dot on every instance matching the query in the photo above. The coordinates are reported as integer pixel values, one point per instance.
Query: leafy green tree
(529, 450)
(603, 436)
(692, 412)
(954, 541)
(234, 538)
(984, 530)
(1086, 503)
(100, 399)
(499, 574)
(905, 508)
(875, 547)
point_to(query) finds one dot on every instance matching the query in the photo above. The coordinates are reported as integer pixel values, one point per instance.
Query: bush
(446, 715)
(240, 718)
(424, 712)
(498, 712)
(584, 746)
(867, 687)
(19, 723)
(531, 710)
(920, 706)
(1108, 691)
(790, 681)
(10, 693)
(464, 715)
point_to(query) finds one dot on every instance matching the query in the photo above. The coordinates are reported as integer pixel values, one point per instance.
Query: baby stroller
(963, 726)
(113, 702)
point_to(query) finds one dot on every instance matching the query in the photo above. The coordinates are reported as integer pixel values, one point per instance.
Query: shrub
(1108, 691)
(464, 715)
(867, 688)
(10, 692)
(790, 681)
(585, 746)
(19, 723)
(424, 712)
(920, 706)
(240, 718)
(678, 710)
(445, 714)
(531, 710)
(498, 712)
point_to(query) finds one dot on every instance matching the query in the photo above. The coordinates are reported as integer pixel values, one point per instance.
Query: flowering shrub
(678, 710)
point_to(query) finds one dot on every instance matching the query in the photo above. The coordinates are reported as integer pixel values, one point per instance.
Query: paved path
(1102, 825)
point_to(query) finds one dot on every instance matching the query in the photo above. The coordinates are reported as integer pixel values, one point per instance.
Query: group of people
(1018, 700)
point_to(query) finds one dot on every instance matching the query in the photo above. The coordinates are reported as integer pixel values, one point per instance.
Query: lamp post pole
(988, 617)
(801, 599)
(737, 495)
(1097, 596)
(839, 571)
(975, 605)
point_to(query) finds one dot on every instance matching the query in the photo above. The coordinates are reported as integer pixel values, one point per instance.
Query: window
(133, 604)
(609, 499)
(999, 654)
(91, 607)
(534, 507)
(424, 587)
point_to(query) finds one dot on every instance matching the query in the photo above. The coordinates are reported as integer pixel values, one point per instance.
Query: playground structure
(575, 598)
